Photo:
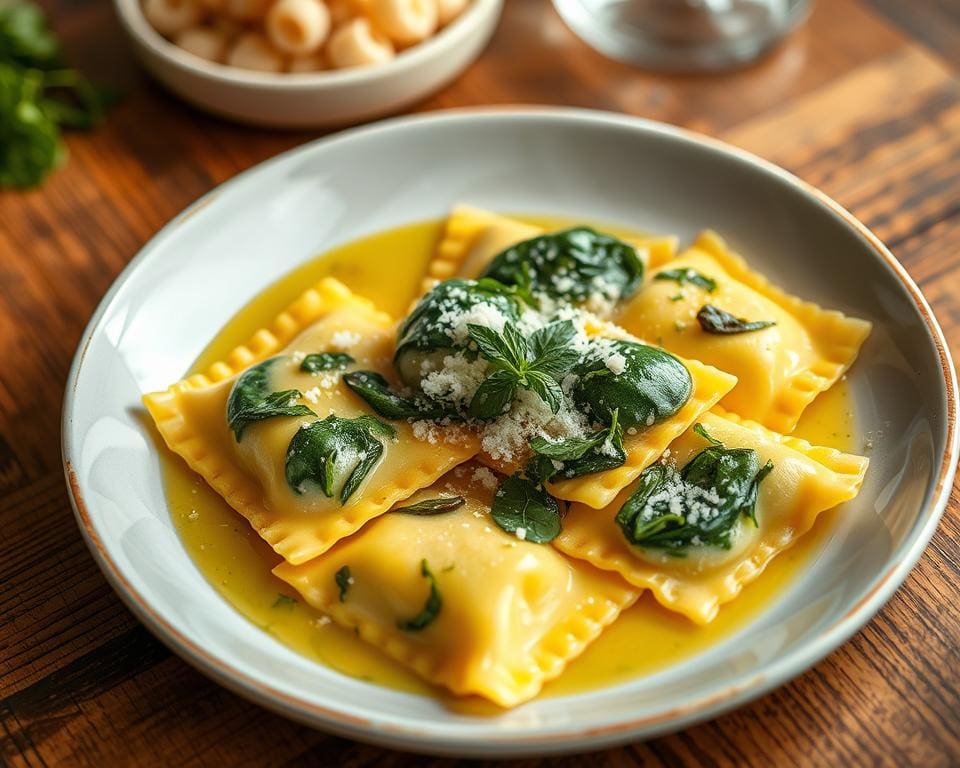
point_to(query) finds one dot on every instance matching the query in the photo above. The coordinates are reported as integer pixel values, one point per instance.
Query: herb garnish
(284, 601)
(570, 265)
(684, 277)
(522, 507)
(653, 385)
(698, 506)
(430, 609)
(335, 451)
(325, 361)
(38, 97)
(601, 450)
(376, 391)
(251, 399)
(343, 580)
(535, 365)
(432, 506)
(714, 320)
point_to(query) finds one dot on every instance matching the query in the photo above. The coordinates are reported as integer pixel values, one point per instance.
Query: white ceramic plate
(225, 248)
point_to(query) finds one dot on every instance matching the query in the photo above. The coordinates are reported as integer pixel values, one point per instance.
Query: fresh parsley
(38, 97)
(684, 277)
(714, 320)
(343, 580)
(433, 506)
(376, 391)
(335, 453)
(535, 364)
(522, 507)
(697, 506)
(431, 608)
(251, 399)
(325, 361)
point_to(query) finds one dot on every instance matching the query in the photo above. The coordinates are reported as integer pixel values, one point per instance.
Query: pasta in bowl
(478, 489)
(306, 63)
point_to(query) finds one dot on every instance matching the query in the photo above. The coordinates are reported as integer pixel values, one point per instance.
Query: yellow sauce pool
(387, 268)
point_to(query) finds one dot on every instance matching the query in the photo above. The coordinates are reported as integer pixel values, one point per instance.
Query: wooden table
(862, 107)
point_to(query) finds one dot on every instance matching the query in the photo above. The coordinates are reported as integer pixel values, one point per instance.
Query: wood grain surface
(864, 102)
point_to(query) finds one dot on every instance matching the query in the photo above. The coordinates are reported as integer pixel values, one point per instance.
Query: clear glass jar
(683, 35)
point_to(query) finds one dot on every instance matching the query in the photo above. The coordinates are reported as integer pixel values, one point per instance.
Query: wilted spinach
(429, 507)
(325, 361)
(335, 452)
(251, 399)
(601, 450)
(377, 393)
(431, 608)
(684, 277)
(522, 506)
(714, 320)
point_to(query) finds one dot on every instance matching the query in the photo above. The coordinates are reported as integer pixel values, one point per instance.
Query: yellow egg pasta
(473, 236)
(249, 471)
(508, 615)
(781, 368)
(805, 481)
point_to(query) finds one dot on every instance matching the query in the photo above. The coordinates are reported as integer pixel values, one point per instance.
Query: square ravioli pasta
(458, 600)
(473, 237)
(274, 430)
(707, 304)
(728, 498)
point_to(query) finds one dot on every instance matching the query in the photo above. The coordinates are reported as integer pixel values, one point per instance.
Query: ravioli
(780, 368)
(251, 469)
(506, 615)
(472, 237)
(805, 481)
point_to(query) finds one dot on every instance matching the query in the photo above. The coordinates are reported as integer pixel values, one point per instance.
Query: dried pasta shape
(781, 369)
(249, 473)
(806, 480)
(512, 613)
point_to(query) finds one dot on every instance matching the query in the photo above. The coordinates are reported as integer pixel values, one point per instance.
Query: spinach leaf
(698, 506)
(684, 276)
(433, 506)
(493, 396)
(597, 452)
(570, 265)
(343, 580)
(284, 601)
(433, 329)
(325, 361)
(376, 391)
(251, 399)
(522, 507)
(654, 385)
(714, 320)
(335, 452)
(431, 608)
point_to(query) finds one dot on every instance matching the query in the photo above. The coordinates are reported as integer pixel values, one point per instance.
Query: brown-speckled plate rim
(419, 739)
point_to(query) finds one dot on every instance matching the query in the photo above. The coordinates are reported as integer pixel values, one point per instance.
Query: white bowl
(314, 99)
(224, 249)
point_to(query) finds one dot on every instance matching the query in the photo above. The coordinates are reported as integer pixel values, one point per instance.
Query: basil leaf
(493, 396)
(699, 506)
(430, 329)
(376, 391)
(343, 580)
(431, 608)
(570, 265)
(521, 505)
(546, 387)
(335, 452)
(325, 361)
(495, 347)
(433, 506)
(251, 399)
(684, 276)
(581, 455)
(551, 349)
(713, 320)
(654, 385)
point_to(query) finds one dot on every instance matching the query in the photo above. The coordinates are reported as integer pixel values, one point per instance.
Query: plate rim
(422, 738)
